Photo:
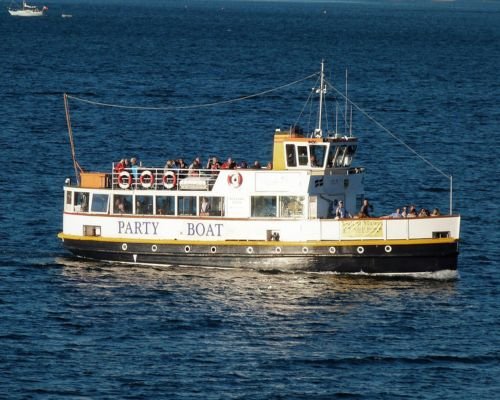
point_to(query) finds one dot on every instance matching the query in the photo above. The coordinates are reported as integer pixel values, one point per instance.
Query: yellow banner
(360, 228)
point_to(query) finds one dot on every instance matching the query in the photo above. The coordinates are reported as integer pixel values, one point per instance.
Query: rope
(388, 131)
(96, 103)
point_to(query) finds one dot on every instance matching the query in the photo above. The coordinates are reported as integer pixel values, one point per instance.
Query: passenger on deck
(412, 213)
(256, 165)
(243, 165)
(120, 166)
(195, 167)
(435, 212)
(229, 164)
(396, 214)
(364, 212)
(423, 212)
(269, 165)
(170, 164)
(341, 211)
(213, 163)
(135, 168)
(404, 213)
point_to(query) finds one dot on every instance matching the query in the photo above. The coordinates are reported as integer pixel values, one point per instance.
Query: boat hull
(26, 13)
(386, 258)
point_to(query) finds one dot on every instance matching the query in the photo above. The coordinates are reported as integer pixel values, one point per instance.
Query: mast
(71, 141)
(319, 132)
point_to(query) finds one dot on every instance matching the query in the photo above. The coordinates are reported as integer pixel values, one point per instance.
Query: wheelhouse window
(69, 197)
(82, 201)
(211, 206)
(186, 205)
(291, 160)
(144, 205)
(292, 206)
(165, 205)
(122, 204)
(99, 203)
(348, 155)
(318, 153)
(263, 206)
(303, 157)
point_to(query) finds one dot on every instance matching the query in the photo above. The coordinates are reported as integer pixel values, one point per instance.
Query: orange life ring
(169, 179)
(124, 180)
(147, 179)
(235, 180)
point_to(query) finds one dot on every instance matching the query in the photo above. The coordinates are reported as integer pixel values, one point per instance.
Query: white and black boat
(282, 217)
(27, 10)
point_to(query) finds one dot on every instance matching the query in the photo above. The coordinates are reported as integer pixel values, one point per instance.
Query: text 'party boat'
(289, 216)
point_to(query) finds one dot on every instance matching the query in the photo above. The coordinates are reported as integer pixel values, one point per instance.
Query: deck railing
(142, 178)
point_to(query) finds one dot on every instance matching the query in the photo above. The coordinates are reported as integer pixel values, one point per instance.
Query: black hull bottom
(370, 259)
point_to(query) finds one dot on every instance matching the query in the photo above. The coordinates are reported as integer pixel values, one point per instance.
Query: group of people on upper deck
(366, 209)
(179, 164)
(212, 164)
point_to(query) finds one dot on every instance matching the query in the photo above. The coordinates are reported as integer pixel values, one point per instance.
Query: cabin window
(186, 205)
(122, 204)
(339, 156)
(318, 152)
(303, 158)
(211, 206)
(291, 160)
(69, 197)
(144, 205)
(263, 206)
(165, 205)
(99, 203)
(291, 206)
(82, 201)
(349, 154)
(331, 156)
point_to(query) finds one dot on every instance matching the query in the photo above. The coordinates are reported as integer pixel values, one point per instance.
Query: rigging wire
(97, 103)
(408, 147)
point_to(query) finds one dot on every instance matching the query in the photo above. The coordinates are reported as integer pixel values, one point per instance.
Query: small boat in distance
(291, 215)
(27, 11)
(66, 16)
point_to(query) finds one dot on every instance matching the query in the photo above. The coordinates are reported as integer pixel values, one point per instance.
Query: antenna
(318, 131)
(345, 109)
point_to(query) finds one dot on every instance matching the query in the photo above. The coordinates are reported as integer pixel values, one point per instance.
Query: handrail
(143, 178)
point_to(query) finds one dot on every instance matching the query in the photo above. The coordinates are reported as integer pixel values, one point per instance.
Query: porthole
(360, 249)
(154, 248)
(332, 250)
(277, 250)
(250, 250)
(213, 249)
(124, 247)
(187, 249)
(305, 250)
(388, 249)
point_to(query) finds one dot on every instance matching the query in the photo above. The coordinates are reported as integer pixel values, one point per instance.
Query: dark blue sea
(426, 71)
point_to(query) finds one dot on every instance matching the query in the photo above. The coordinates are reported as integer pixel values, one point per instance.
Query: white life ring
(124, 180)
(169, 179)
(235, 180)
(147, 179)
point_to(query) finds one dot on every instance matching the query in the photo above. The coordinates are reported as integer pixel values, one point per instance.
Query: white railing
(142, 178)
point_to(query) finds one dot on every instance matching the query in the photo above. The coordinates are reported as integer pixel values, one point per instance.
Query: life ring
(169, 179)
(124, 180)
(235, 180)
(147, 179)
